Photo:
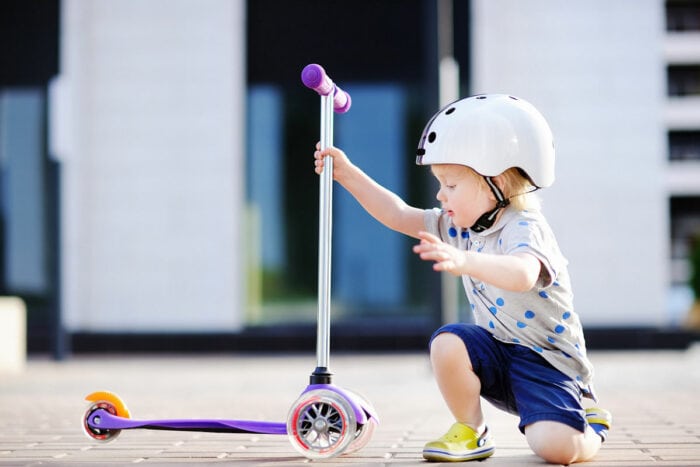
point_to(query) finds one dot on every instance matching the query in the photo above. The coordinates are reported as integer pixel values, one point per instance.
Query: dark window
(384, 53)
(683, 80)
(682, 15)
(685, 233)
(29, 38)
(362, 40)
(29, 180)
(684, 145)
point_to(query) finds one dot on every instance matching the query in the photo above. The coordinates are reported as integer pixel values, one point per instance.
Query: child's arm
(380, 203)
(517, 272)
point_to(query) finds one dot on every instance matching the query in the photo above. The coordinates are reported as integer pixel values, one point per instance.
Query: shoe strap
(483, 437)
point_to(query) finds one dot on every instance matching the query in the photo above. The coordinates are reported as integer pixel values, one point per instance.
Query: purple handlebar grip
(314, 77)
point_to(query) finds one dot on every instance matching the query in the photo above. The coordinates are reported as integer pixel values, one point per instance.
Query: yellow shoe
(460, 443)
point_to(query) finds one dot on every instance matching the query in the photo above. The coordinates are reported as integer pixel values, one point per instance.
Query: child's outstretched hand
(341, 163)
(446, 257)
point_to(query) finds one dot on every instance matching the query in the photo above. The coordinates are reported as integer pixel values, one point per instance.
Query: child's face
(463, 194)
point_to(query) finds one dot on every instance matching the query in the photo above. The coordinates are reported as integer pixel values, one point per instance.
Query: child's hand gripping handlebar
(314, 76)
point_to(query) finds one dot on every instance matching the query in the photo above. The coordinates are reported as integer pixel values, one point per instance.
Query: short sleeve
(431, 219)
(533, 236)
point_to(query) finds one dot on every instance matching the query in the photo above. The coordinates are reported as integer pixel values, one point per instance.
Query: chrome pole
(325, 227)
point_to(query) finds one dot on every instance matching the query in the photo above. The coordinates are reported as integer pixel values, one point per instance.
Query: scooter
(326, 420)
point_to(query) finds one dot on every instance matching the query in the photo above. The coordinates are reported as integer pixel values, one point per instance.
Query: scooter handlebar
(314, 77)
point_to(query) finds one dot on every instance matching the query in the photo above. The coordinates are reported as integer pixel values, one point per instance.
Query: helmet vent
(481, 97)
(432, 136)
(450, 110)
(514, 98)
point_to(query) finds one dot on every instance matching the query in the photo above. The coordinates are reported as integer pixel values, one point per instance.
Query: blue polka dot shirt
(542, 319)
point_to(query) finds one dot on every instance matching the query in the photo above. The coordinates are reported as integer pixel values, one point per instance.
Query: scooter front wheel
(109, 402)
(321, 424)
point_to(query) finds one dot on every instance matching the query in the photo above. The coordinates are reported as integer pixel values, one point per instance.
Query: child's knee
(554, 442)
(447, 348)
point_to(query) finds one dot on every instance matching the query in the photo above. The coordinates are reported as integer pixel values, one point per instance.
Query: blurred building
(681, 118)
(158, 175)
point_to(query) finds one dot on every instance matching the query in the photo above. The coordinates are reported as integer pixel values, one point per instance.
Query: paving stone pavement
(654, 397)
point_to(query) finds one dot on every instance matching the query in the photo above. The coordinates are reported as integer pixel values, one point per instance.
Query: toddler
(526, 352)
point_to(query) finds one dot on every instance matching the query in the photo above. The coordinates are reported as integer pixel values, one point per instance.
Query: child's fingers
(325, 152)
(428, 237)
(422, 247)
(319, 164)
(434, 255)
(444, 266)
(429, 252)
(436, 252)
(431, 248)
(442, 261)
(428, 242)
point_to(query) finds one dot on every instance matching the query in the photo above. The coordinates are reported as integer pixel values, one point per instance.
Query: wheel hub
(321, 425)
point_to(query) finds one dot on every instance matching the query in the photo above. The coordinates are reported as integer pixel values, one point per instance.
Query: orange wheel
(106, 401)
(113, 399)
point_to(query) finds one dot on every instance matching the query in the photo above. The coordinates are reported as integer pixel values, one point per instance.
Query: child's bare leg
(459, 385)
(558, 443)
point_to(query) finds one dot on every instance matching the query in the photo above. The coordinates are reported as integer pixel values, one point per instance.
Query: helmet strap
(487, 220)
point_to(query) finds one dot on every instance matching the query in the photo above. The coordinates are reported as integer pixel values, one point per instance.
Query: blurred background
(156, 164)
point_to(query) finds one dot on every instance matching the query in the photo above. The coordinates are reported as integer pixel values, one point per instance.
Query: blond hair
(517, 187)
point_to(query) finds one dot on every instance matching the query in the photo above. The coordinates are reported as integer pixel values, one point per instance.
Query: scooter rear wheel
(106, 401)
(321, 424)
(365, 431)
(362, 437)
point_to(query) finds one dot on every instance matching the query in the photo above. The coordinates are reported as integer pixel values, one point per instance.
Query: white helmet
(490, 133)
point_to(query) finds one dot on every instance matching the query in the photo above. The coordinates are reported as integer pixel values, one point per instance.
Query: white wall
(595, 70)
(148, 119)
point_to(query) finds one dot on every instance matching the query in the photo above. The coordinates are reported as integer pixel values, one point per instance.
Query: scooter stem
(325, 225)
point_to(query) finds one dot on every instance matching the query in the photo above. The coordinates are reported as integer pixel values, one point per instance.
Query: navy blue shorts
(518, 380)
